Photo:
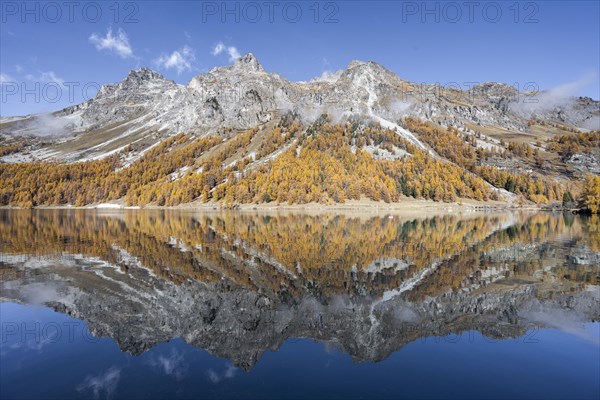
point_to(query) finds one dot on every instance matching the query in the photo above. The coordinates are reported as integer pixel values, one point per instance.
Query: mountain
(237, 284)
(244, 95)
(145, 110)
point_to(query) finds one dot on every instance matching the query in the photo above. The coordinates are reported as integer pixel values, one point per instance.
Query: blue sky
(549, 43)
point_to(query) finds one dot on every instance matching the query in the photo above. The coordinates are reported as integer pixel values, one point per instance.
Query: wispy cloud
(329, 76)
(572, 88)
(50, 76)
(46, 77)
(18, 68)
(233, 53)
(105, 382)
(118, 43)
(554, 317)
(216, 377)
(549, 99)
(181, 60)
(31, 343)
(172, 364)
(5, 78)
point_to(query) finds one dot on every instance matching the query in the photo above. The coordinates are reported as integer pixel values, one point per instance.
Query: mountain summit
(147, 107)
(239, 134)
(248, 62)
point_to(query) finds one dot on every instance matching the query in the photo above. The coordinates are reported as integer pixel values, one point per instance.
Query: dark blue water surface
(176, 305)
(40, 360)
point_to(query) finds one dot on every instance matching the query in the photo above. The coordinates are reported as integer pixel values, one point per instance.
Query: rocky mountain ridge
(146, 107)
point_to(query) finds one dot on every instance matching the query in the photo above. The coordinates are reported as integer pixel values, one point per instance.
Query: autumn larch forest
(324, 163)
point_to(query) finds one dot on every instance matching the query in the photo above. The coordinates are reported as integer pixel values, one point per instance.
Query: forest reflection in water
(239, 283)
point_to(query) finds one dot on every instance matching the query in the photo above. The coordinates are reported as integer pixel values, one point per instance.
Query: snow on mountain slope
(146, 107)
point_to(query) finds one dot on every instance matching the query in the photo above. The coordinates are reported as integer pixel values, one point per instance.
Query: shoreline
(411, 207)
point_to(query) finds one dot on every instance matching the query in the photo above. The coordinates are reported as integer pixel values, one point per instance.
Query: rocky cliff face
(244, 96)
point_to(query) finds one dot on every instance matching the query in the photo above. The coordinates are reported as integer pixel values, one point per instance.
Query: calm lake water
(155, 304)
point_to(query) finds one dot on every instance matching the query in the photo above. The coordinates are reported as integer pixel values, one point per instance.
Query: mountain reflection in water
(238, 284)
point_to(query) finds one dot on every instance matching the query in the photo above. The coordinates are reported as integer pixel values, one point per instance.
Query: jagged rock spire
(248, 62)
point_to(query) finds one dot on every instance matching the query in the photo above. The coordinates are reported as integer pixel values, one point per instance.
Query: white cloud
(50, 76)
(40, 293)
(46, 77)
(230, 50)
(172, 364)
(400, 107)
(18, 68)
(572, 88)
(103, 383)
(551, 316)
(328, 76)
(180, 59)
(593, 123)
(44, 125)
(5, 78)
(118, 44)
(547, 100)
(215, 377)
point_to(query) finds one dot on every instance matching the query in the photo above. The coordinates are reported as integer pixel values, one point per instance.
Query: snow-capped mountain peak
(243, 95)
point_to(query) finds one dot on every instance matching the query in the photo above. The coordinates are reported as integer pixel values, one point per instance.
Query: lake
(157, 303)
